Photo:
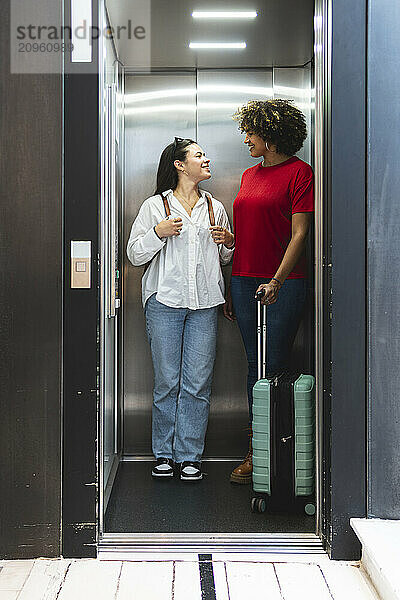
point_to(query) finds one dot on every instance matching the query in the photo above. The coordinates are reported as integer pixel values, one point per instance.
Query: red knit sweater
(262, 216)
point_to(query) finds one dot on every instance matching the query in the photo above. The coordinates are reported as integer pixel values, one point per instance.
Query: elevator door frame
(343, 414)
(291, 542)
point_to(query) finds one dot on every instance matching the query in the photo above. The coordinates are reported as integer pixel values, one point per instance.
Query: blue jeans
(183, 344)
(283, 319)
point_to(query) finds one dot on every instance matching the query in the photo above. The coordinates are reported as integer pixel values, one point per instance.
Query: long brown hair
(167, 175)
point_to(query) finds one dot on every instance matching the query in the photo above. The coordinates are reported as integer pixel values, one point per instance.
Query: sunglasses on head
(178, 140)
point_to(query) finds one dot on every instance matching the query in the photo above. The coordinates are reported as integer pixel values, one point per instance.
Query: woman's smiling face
(255, 144)
(196, 164)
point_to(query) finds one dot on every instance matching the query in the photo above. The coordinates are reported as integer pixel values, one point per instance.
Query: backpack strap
(209, 204)
(210, 211)
(166, 205)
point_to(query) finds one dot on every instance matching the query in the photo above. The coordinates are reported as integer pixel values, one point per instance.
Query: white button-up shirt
(185, 270)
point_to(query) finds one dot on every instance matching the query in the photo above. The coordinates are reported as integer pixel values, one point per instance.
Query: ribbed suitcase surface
(304, 430)
(262, 436)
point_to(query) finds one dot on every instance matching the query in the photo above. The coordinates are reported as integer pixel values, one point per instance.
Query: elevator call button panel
(80, 264)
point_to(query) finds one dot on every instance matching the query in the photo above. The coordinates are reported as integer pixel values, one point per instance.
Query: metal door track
(279, 543)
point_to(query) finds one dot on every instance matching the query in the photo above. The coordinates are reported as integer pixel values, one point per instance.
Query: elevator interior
(147, 97)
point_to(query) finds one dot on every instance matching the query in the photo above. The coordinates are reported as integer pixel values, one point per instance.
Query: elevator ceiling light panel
(217, 45)
(199, 14)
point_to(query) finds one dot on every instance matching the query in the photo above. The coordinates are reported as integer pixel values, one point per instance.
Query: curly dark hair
(277, 122)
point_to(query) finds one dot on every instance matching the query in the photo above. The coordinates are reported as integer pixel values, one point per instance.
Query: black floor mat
(140, 504)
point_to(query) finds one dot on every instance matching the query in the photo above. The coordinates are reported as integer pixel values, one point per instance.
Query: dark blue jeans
(283, 318)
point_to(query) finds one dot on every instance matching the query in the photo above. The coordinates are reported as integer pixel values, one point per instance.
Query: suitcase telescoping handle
(261, 336)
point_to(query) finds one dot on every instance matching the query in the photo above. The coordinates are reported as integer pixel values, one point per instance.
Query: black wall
(30, 308)
(81, 306)
(81, 310)
(384, 258)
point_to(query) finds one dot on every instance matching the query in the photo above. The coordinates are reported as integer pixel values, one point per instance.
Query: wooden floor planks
(346, 581)
(301, 582)
(221, 583)
(14, 573)
(45, 579)
(252, 580)
(140, 582)
(61, 579)
(90, 580)
(187, 581)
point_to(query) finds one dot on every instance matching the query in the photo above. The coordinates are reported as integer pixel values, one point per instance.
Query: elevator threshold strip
(119, 546)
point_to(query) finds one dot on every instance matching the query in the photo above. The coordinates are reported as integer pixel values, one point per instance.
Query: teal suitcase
(283, 436)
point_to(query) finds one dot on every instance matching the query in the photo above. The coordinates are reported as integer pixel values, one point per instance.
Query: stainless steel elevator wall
(152, 118)
(196, 104)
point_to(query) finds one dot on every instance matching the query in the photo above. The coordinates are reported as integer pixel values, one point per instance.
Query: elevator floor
(141, 504)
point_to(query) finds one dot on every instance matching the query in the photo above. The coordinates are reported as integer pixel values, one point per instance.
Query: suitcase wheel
(258, 505)
(309, 509)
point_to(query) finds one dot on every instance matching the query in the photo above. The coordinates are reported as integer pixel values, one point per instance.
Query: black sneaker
(190, 471)
(163, 468)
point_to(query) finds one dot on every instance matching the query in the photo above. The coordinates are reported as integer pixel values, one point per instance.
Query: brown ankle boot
(242, 473)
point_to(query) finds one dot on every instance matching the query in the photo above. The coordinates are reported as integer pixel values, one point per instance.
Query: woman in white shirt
(183, 234)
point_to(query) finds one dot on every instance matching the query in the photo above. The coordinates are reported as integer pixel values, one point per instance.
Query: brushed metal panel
(109, 388)
(296, 84)
(152, 118)
(220, 93)
(322, 26)
(110, 199)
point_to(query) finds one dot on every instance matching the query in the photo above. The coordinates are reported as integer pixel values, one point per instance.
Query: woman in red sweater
(271, 215)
